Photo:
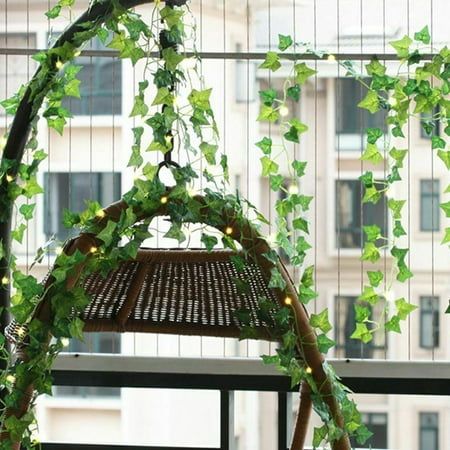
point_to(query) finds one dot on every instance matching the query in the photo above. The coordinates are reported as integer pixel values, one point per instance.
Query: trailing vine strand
(187, 125)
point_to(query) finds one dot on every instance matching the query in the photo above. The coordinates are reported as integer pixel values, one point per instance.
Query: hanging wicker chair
(189, 292)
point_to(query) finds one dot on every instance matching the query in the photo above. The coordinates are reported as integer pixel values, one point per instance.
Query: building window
(15, 70)
(352, 214)
(101, 85)
(70, 191)
(94, 343)
(351, 121)
(429, 205)
(429, 431)
(377, 424)
(429, 322)
(346, 347)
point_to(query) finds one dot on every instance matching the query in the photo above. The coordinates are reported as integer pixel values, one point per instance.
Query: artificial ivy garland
(134, 40)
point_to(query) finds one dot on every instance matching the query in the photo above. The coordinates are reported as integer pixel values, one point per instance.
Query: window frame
(435, 319)
(435, 197)
(422, 428)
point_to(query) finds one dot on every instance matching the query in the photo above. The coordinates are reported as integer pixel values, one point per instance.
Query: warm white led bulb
(284, 111)
(9, 178)
(331, 58)
(65, 342)
(59, 64)
(11, 379)
(5, 280)
(100, 213)
(293, 189)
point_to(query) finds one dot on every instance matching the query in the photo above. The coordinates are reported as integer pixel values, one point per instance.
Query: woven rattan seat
(191, 292)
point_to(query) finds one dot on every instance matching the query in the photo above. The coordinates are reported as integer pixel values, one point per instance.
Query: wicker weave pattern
(181, 292)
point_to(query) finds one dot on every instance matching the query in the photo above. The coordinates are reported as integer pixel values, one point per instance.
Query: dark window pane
(429, 322)
(101, 85)
(345, 326)
(349, 214)
(350, 119)
(377, 424)
(429, 205)
(429, 431)
(70, 191)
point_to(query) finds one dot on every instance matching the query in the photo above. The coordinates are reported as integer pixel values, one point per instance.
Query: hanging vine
(188, 127)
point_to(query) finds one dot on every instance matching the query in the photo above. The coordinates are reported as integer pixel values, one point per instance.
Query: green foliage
(271, 62)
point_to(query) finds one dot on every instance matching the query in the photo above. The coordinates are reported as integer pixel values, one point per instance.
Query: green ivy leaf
(308, 277)
(370, 252)
(268, 96)
(268, 114)
(446, 239)
(76, 328)
(139, 108)
(300, 224)
(325, 343)
(362, 313)
(276, 280)
(276, 181)
(423, 35)
(371, 195)
(369, 295)
(27, 210)
(209, 152)
(396, 207)
(293, 92)
(32, 188)
(393, 324)
(295, 130)
(299, 167)
(306, 294)
(446, 208)
(401, 46)
(57, 124)
(320, 435)
(375, 68)
(362, 333)
(362, 434)
(163, 97)
(72, 88)
(445, 157)
(150, 171)
(373, 134)
(265, 144)
(284, 42)
(17, 234)
(54, 12)
(321, 321)
(176, 233)
(372, 154)
(209, 241)
(373, 232)
(107, 234)
(303, 72)
(403, 271)
(437, 142)
(370, 102)
(375, 277)
(271, 62)
(398, 230)
(268, 166)
(404, 308)
(398, 156)
(172, 58)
